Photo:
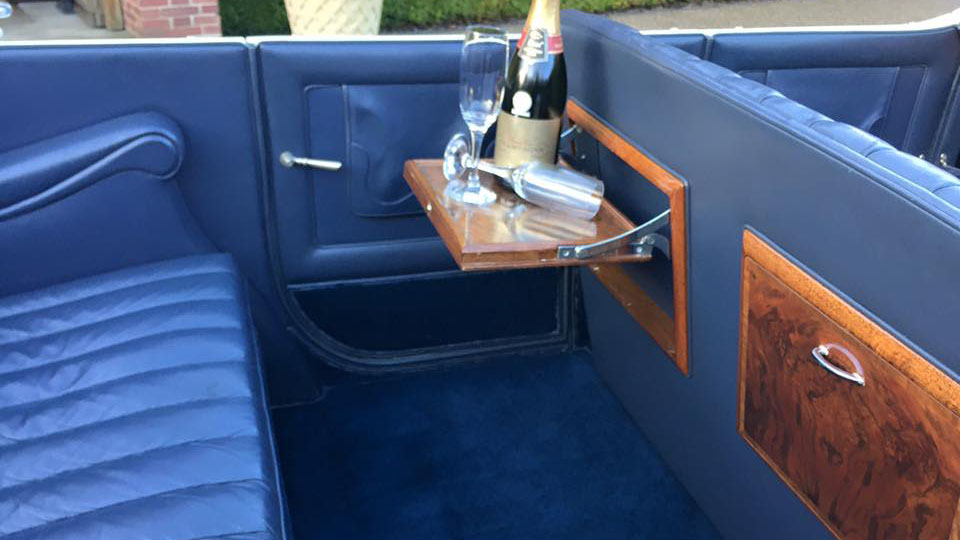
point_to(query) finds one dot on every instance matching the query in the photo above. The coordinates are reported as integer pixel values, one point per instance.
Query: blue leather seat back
(893, 84)
(877, 225)
(144, 152)
(202, 93)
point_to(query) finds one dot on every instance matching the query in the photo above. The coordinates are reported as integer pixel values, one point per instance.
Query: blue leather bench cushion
(131, 407)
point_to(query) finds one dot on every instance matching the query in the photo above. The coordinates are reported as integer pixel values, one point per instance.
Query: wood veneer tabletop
(509, 233)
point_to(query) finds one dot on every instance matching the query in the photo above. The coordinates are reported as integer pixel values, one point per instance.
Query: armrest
(47, 171)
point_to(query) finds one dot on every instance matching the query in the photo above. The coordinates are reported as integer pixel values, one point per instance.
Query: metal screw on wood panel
(429, 207)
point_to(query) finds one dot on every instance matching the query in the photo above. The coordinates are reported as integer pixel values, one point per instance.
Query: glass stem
(476, 140)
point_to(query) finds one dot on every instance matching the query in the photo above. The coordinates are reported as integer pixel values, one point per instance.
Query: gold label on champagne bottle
(524, 140)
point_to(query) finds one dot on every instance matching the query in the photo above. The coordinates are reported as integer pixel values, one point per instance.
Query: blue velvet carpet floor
(521, 448)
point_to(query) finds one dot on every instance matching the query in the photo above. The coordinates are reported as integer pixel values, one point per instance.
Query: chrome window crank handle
(289, 160)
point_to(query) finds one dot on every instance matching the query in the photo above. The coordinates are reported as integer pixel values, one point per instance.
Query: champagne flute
(483, 68)
(553, 187)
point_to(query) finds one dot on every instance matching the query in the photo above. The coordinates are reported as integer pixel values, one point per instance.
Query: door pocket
(387, 125)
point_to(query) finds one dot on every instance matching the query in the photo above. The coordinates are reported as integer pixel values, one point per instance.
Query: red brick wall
(172, 18)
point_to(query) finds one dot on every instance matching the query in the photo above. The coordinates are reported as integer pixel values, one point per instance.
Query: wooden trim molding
(633, 298)
(638, 304)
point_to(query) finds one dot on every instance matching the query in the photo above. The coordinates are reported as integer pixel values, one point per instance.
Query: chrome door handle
(289, 160)
(821, 354)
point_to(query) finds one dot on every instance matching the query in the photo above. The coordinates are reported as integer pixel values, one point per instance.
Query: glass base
(479, 195)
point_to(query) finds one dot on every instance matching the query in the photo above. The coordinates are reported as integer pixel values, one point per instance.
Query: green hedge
(405, 13)
(260, 17)
(253, 17)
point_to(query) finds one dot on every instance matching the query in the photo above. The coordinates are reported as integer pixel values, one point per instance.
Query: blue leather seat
(131, 406)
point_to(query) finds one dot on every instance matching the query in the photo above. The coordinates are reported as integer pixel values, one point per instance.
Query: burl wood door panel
(878, 461)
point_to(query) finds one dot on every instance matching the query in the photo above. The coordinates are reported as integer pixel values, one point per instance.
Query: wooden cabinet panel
(878, 461)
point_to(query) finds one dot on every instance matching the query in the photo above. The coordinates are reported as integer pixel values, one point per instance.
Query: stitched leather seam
(65, 288)
(138, 312)
(113, 461)
(125, 288)
(173, 407)
(125, 379)
(137, 340)
(127, 502)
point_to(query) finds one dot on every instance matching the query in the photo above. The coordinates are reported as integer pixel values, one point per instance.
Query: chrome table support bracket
(643, 239)
(570, 133)
(289, 160)
(648, 243)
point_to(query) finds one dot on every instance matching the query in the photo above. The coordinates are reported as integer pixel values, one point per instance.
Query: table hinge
(643, 240)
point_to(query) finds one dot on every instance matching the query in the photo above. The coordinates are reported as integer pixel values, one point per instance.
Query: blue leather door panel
(341, 235)
(892, 84)
(373, 284)
(372, 105)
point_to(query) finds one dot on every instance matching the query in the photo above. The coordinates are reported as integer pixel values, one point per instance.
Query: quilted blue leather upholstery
(131, 407)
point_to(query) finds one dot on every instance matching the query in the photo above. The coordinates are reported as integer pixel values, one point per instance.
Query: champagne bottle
(535, 91)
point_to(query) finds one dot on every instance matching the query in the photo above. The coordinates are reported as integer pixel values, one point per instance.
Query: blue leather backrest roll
(44, 172)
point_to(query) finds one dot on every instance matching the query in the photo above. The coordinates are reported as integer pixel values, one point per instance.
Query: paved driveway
(42, 20)
(763, 13)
